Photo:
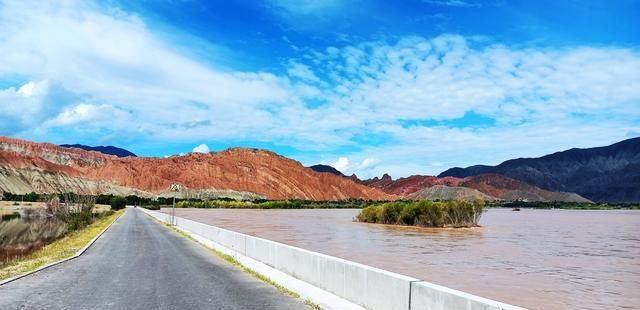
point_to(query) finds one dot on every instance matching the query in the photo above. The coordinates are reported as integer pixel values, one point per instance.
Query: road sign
(174, 188)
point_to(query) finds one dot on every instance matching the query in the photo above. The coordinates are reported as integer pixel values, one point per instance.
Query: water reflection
(24, 232)
(540, 259)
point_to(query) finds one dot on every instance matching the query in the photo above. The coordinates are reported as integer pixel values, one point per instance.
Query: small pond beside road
(24, 232)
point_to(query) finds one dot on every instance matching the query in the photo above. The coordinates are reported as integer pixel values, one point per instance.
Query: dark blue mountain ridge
(604, 174)
(109, 150)
(326, 169)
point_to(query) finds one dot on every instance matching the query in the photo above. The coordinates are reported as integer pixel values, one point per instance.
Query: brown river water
(539, 259)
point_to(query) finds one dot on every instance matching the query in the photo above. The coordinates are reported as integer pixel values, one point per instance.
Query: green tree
(118, 203)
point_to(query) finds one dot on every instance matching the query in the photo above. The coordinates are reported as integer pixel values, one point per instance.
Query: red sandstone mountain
(486, 186)
(409, 185)
(510, 189)
(46, 168)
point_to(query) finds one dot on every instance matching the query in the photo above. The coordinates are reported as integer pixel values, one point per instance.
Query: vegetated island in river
(425, 213)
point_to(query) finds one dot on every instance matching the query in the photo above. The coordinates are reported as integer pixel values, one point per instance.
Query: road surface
(138, 264)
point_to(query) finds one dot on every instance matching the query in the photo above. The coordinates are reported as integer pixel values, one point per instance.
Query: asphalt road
(138, 264)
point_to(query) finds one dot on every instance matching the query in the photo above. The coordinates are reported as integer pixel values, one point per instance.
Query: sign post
(174, 188)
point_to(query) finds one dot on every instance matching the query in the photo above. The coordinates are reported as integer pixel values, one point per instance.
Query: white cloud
(341, 164)
(111, 57)
(26, 90)
(202, 148)
(25, 107)
(368, 162)
(298, 70)
(100, 115)
(445, 77)
(364, 167)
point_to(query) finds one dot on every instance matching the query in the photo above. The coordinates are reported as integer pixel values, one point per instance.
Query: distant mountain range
(609, 173)
(109, 150)
(603, 174)
(486, 187)
(606, 174)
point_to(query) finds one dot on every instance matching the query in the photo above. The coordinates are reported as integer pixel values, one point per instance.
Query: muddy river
(540, 259)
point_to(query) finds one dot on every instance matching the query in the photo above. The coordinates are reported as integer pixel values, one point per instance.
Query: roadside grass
(231, 260)
(60, 249)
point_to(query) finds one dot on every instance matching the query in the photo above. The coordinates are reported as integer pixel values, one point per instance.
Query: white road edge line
(78, 253)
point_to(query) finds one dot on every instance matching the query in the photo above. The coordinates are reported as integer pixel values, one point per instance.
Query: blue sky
(403, 87)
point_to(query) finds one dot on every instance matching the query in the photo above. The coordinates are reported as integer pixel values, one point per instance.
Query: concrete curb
(78, 253)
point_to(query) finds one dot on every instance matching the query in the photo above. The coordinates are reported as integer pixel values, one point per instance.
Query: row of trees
(563, 205)
(57, 202)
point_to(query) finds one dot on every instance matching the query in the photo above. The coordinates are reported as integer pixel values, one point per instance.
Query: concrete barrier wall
(429, 296)
(366, 286)
(369, 287)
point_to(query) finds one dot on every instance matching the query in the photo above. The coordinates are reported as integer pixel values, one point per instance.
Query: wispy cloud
(454, 3)
(559, 98)
(305, 7)
(305, 15)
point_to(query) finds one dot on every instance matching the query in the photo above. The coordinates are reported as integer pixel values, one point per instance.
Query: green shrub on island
(424, 213)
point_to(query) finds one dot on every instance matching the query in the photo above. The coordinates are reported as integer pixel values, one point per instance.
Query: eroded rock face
(260, 172)
(443, 192)
(410, 185)
(485, 186)
(506, 188)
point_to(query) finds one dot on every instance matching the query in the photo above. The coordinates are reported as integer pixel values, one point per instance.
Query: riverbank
(60, 249)
(543, 205)
(361, 204)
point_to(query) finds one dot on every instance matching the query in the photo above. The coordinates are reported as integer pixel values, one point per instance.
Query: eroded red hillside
(239, 169)
(410, 185)
(510, 189)
(492, 185)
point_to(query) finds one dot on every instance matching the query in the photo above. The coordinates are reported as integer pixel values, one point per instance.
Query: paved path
(138, 264)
